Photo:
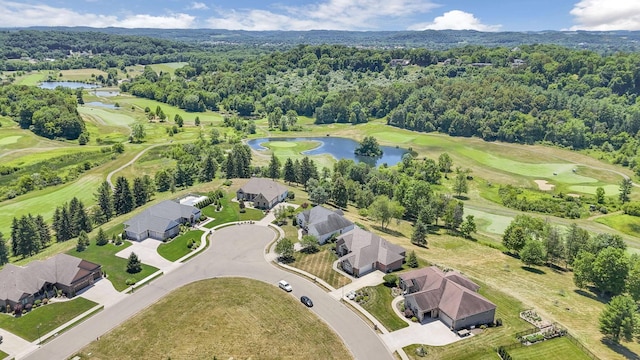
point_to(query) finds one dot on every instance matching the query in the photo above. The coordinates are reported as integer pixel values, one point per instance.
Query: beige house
(161, 221)
(35, 281)
(447, 296)
(362, 252)
(264, 193)
(323, 223)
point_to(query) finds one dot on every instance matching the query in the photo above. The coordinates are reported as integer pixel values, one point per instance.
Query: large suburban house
(323, 223)
(264, 193)
(448, 296)
(362, 252)
(26, 284)
(161, 221)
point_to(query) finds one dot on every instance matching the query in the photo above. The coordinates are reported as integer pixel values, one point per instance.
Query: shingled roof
(367, 248)
(17, 281)
(160, 217)
(451, 292)
(267, 187)
(325, 221)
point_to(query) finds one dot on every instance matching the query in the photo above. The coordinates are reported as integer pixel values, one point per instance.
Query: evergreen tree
(308, 170)
(289, 171)
(79, 217)
(412, 260)
(122, 197)
(197, 121)
(178, 120)
(101, 238)
(419, 235)
(43, 230)
(149, 185)
(554, 246)
(133, 264)
(62, 224)
(83, 241)
(14, 239)
(4, 252)
(468, 226)
(163, 180)
(576, 240)
(274, 167)
(619, 319)
(297, 169)
(28, 236)
(625, 189)
(339, 192)
(104, 198)
(140, 195)
(209, 168)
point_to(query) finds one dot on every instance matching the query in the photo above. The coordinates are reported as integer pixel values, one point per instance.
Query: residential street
(236, 250)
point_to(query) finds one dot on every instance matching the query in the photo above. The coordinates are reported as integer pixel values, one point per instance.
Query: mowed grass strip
(177, 248)
(320, 264)
(227, 318)
(624, 223)
(115, 267)
(379, 305)
(48, 317)
(556, 349)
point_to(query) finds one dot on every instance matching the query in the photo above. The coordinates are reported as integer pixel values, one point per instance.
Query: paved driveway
(102, 292)
(234, 251)
(147, 251)
(13, 344)
(371, 279)
(434, 333)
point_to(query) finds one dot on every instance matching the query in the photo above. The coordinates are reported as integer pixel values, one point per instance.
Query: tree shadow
(388, 231)
(461, 197)
(557, 269)
(513, 255)
(533, 270)
(591, 294)
(620, 349)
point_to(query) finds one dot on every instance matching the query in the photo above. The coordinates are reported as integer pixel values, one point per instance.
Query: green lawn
(556, 349)
(230, 212)
(48, 317)
(627, 224)
(379, 305)
(115, 267)
(177, 248)
(320, 264)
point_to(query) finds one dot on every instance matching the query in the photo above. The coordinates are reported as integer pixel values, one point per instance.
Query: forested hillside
(530, 94)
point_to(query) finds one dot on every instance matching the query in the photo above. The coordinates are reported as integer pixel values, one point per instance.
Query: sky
(360, 15)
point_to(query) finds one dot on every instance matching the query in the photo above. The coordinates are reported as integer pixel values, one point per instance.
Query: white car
(284, 286)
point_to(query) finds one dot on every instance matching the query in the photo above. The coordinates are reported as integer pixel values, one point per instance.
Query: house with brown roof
(448, 296)
(362, 252)
(26, 284)
(323, 223)
(264, 193)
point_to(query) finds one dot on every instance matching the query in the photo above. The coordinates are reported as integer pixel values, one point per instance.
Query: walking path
(135, 158)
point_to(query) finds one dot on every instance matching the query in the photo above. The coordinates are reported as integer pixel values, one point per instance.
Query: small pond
(68, 84)
(101, 104)
(339, 148)
(105, 93)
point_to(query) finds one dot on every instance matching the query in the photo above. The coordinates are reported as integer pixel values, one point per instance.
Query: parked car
(305, 300)
(284, 286)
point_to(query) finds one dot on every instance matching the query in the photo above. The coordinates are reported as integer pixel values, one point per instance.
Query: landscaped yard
(320, 264)
(113, 266)
(555, 349)
(379, 305)
(240, 319)
(48, 317)
(230, 212)
(177, 248)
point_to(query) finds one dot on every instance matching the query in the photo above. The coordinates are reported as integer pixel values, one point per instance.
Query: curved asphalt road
(234, 251)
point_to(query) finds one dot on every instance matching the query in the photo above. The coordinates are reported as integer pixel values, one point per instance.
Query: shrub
(190, 243)
(390, 280)
(227, 183)
(37, 302)
(414, 319)
(483, 326)
(408, 313)
(498, 322)
(28, 307)
(45, 301)
(304, 205)
(130, 281)
(421, 352)
(363, 212)
(291, 195)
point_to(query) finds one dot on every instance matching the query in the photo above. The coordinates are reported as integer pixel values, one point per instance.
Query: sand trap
(544, 185)
(573, 195)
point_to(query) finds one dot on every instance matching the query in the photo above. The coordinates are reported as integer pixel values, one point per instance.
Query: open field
(177, 248)
(624, 223)
(31, 79)
(555, 349)
(320, 264)
(206, 118)
(80, 74)
(168, 67)
(266, 324)
(115, 267)
(48, 317)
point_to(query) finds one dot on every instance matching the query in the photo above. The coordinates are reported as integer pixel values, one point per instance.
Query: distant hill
(603, 42)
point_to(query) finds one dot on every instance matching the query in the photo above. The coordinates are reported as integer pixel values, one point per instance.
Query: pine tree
(139, 192)
(209, 168)
(289, 171)
(412, 260)
(178, 120)
(79, 217)
(150, 186)
(197, 121)
(122, 197)
(14, 239)
(274, 167)
(43, 230)
(62, 224)
(104, 198)
(419, 236)
(101, 238)
(4, 252)
(134, 265)
(83, 241)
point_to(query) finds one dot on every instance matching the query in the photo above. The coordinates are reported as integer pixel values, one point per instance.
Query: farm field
(286, 330)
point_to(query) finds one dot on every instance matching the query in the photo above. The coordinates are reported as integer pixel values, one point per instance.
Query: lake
(101, 104)
(68, 84)
(339, 148)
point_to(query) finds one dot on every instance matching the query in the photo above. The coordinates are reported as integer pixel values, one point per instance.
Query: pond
(68, 84)
(101, 104)
(339, 148)
(105, 93)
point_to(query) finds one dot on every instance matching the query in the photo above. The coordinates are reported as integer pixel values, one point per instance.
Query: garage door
(365, 269)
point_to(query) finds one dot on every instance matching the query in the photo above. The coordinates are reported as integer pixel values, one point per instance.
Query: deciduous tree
(619, 319)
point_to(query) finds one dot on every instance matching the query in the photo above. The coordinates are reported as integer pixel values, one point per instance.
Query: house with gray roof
(26, 284)
(161, 221)
(323, 223)
(448, 296)
(362, 252)
(264, 193)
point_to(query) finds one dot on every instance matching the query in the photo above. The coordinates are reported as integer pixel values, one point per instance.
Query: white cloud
(327, 15)
(13, 14)
(198, 6)
(455, 20)
(604, 15)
